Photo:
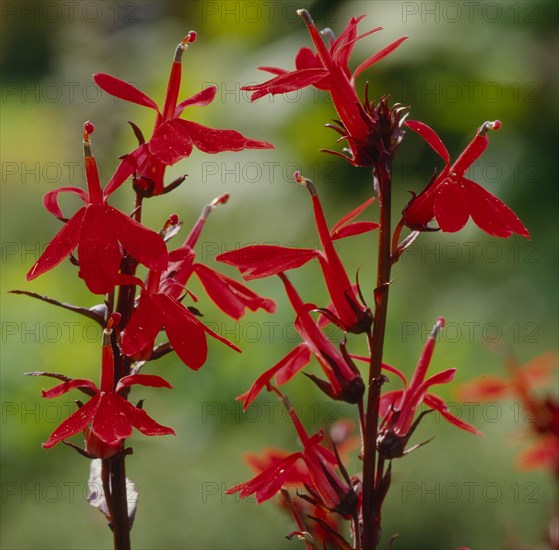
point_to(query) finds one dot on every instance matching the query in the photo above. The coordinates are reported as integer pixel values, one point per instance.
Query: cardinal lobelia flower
(346, 310)
(327, 69)
(107, 418)
(344, 381)
(230, 296)
(542, 411)
(398, 407)
(334, 494)
(173, 137)
(98, 230)
(451, 198)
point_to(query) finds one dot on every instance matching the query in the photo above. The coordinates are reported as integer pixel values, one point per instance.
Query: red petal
(537, 372)
(98, 251)
(269, 482)
(273, 70)
(443, 377)
(287, 82)
(390, 400)
(264, 260)
(350, 216)
(543, 453)
(142, 243)
(123, 90)
(430, 136)
(144, 380)
(451, 208)
(171, 142)
(142, 329)
(213, 140)
(74, 423)
(204, 97)
(185, 332)
(492, 215)
(61, 245)
(486, 388)
(125, 169)
(306, 59)
(141, 421)
(230, 296)
(50, 200)
(61, 389)
(381, 54)
(355, 228)
(435, 402)
(110, 423)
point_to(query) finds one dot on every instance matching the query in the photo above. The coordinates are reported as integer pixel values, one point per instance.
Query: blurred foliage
(460, 66)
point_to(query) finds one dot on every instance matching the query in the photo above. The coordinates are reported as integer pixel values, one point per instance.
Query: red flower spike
(107, 418)
(398, 407)
(173, 138)
(327, 69)
(451, 198)
(98, 231)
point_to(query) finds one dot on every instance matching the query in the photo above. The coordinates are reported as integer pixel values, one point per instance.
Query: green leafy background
(463, 63)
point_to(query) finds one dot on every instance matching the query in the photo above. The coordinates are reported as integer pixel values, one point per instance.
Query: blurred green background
(463, 63)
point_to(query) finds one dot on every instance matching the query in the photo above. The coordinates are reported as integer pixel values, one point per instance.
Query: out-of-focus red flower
(99, 231)
(173, 137)
(320, 463)
(344, 381)
(451, 198)
(327, 69)
(541, 411)
(107, 418)
(264, 260)
(398, 407)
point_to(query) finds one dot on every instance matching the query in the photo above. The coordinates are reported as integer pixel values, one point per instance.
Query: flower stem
(371, 511)
(120, 521)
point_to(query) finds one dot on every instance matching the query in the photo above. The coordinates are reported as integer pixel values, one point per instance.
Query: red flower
(107, 417)
(451, 198)
(344, 382)
(230, 296)
(265, 260)
(99, 231)
(173, 138)
(157, 309)
(398, 407)
(328, 70)
(322, 478)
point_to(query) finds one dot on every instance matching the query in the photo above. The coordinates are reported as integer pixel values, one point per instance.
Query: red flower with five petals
(99, 231)
(173, 138)
(328, 70)
(451, 198)
(107, 417)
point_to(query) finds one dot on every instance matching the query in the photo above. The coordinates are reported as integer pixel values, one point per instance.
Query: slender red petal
(171, 142)
(141, 421)
(381, 54)
(230, 296)
(350, 216)
(173, 87)
(185, 332)
(451, 208)
(60, 389)
(74, 423)
(142, 329)
(543, 453)
(385, 366)
(204, 97)
(430, 136)
(110, 423)
(390, 400)
(50, 200)
(269, 482)
(61, 245)
(443, 377)
(435, 402)
(491, 214)
(123, 90)
(98, 251)
(352, 229)
(142, 243)
(264, 260)
(287, 82)
(306, 59)
(470, 154)
(294, 361)
(537, 372)
(486, 388)
(273, 70)
(144, 380)
(213, 140)
(125, 169)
